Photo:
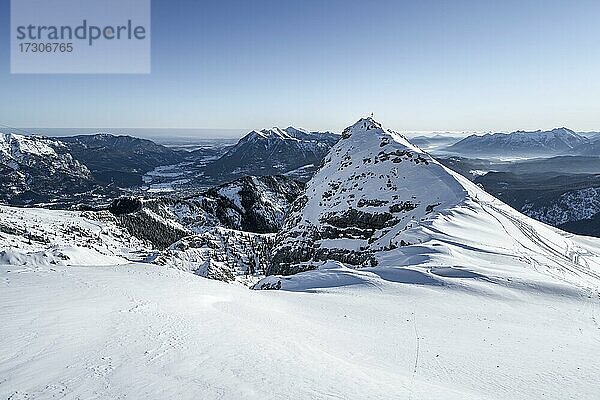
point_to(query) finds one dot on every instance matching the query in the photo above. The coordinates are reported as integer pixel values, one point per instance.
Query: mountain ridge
(273, 151)
(437, 227)
(558, 141)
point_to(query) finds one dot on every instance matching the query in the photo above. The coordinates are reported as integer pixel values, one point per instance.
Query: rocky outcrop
(251, 204)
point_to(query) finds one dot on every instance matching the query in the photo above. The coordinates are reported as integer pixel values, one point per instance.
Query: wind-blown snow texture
(141, 331)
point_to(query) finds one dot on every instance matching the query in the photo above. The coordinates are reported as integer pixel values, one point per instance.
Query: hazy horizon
(219, 133)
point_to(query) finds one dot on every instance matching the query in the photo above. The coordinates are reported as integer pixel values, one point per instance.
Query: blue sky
(418, 65)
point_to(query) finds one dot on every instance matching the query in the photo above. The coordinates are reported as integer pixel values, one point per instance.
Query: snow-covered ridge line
(382, 204)
(16, 147)
(554, 142)
(289, 133)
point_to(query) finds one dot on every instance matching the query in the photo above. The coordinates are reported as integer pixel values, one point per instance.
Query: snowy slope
(223, 254)
(38, 169)
(19, 147)
(141, 331)
(31, 237)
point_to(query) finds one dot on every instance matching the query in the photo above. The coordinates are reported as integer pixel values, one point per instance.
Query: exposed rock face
(373, 186)
(254, 204)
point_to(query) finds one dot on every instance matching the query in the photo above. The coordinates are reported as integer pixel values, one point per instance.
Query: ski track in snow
(417, 349)
(572, 254)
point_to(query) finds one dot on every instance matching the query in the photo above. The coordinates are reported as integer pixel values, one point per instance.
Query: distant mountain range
(559, 141)
(435, 141)
(592, 148)
(77, 169)
(71, 169)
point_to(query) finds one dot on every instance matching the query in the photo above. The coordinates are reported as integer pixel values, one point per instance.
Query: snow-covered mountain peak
(272, 133)
(252, 136)
(274, 151)
(383, 204)
(296, 131)
(374, 185)
(372, 128)
(564, 134)
(277, 133)
(363, 125)
(290, 133)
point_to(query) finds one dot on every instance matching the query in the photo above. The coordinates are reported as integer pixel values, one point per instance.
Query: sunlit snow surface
(140, 331)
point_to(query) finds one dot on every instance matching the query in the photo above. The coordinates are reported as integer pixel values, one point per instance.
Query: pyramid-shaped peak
(370, 130)
(363, 125)
(373, 188)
